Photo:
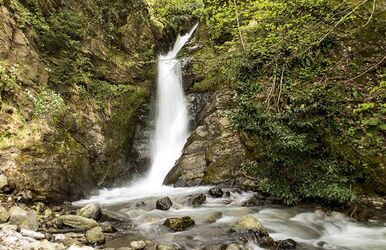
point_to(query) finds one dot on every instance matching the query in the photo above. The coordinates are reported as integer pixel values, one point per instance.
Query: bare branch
(368, 70)
(238, 24)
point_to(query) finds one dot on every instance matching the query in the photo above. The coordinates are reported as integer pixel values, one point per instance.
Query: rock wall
(65, 127)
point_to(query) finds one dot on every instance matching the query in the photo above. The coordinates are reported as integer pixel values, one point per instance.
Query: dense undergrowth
(309, 78)
(310, 101)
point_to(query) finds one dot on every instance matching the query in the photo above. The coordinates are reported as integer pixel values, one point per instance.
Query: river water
(311, 228)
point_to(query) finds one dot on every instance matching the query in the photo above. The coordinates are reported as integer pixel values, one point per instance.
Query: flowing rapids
(312, 229)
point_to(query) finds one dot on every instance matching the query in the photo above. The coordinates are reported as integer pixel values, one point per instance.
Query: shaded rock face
(141, 146)
(214, 152)
(196, 105)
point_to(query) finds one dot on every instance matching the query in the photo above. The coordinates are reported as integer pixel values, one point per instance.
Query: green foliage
(26, 18)
(177, 13)
(292, 161)
(105, 92)
(65, 32)
(284, 59)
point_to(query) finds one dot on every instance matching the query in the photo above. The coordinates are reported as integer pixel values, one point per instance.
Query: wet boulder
(248, 223)
(91, 211)
(179, 224)
(4, 215)
(212, 218)
(254, 201)
(266, 242)
(137, 245)
(140, 204)
(78, 222)
(216, 192)
(95, 236)
(164, 203)
(287, 244)
(196, 200)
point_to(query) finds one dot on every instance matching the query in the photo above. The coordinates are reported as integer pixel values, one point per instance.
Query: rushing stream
(311, 228)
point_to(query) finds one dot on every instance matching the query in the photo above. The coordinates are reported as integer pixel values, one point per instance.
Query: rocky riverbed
(185, 218)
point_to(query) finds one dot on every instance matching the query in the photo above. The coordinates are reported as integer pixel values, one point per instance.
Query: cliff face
(73, 76)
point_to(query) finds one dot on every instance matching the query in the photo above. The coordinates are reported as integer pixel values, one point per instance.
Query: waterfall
(171, 130)
(170, 134)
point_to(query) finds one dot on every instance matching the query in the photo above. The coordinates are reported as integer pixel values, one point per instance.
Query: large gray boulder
(31, 221)
(91, 211)
(17, 215)
(4, 215)
(78, 222)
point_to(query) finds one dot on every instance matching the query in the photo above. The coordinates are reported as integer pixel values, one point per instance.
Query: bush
(286, 61)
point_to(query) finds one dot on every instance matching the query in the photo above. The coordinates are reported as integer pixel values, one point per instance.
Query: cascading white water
(172, 115)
